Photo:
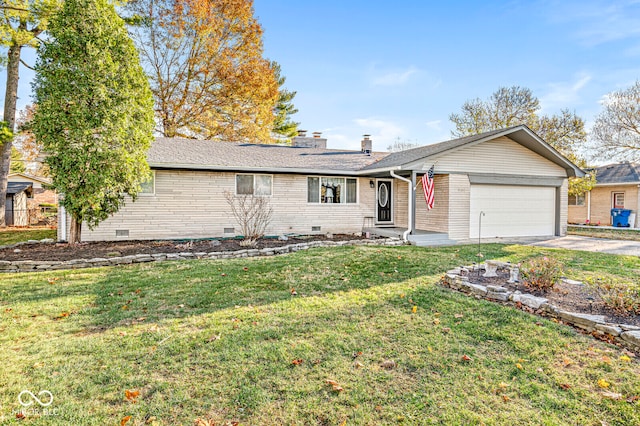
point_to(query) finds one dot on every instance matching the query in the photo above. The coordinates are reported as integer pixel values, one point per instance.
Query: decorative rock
(628, 327)
(47, 240)
(632, 337)
(514, 274)
(496, 289)
(609, 329)
(501, 296)
(586, 321)
(529, 300)
(491, 269)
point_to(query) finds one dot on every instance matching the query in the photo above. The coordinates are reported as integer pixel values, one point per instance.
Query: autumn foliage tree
(512, 106)
(94, 114)
(616, 132)
(205, 65)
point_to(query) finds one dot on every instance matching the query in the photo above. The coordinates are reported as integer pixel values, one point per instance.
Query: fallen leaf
(436, 321)
(633, 399)
(603, 383)
(519, 366)
(131, 395)
(337, 388)
(612, 395)
(505, 398)
(214, 338)
(414, 309)
(606, 359)
(294, 292)
(429, 349)
(402, 296)
(567, 362)
(378, 408)
(20, 415)
(245, 269)
(344, 422)
(458, 315)
(446, 330)
(625, 358)
(565, 386)
(297, 361)
(331, 382)
(356, 354)
(388, 364)
(125, 420)
(358, 364)
(125, 307)
(466, 358)
(53, 280)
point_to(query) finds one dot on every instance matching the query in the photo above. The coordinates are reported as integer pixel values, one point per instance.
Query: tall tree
(616, 131)
(21, 22)
(283, 126)
(512, 106)
(208, 76)
(95, 111)
(17, 162)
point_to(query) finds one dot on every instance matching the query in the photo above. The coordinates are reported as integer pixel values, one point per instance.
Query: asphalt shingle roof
(618, 173)
(17, 187)
(227, 155)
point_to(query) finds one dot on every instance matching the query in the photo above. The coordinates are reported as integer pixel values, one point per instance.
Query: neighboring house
(41, 193)
(512, 176)
(617, 186)
(16, 213)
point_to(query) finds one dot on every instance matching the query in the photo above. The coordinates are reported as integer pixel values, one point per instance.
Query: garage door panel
(512, 211)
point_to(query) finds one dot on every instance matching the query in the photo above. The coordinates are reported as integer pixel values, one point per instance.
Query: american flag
(427, 187)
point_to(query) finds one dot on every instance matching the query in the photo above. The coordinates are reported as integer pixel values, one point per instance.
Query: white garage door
(512, 211)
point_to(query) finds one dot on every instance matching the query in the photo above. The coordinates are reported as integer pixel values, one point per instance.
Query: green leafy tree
(512, 106)
(95, 111)
(21, 22)
(616, 132)
(283, 126)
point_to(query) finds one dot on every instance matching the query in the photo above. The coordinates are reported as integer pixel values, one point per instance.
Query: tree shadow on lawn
(173, 290)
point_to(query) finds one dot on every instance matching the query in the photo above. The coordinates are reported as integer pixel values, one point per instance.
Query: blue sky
(399, 69)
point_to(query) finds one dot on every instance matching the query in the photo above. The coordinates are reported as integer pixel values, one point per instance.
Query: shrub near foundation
(541, 273)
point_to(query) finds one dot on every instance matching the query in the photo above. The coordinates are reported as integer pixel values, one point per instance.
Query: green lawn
(226, 341)
(615, 234)
(16, 235)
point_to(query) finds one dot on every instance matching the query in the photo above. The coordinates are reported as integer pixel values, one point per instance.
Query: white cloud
(394, 77)
(434, 125)
(565, 94)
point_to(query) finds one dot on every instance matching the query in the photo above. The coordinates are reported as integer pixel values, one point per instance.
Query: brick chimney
(303, 141)
(366, 145)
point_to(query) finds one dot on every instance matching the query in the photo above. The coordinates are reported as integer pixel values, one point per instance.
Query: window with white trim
(254, 184)
(577, 200)
(148, 186)
(332, 190)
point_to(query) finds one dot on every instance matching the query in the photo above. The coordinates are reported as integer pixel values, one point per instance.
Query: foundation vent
(122, 233)
(316, 228)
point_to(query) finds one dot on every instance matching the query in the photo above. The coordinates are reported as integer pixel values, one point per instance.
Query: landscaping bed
(568, 295)
(110, 249)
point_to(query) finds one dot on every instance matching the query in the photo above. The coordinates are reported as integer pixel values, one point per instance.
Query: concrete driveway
(574, 242)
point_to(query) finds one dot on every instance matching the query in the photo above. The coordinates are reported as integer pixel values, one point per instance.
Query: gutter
(411, 197)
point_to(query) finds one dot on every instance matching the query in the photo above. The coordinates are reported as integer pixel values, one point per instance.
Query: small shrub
(621, 296)
(541, 273)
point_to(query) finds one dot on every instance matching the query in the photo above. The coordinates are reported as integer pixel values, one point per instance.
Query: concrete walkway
(574, 242)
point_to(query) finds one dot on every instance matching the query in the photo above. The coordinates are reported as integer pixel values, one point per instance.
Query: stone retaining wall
(623, 334)
(44, 265)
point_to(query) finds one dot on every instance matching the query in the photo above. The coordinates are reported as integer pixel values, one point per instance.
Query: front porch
(419, 237)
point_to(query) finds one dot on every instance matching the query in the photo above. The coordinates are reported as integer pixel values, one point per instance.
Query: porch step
(431, 239)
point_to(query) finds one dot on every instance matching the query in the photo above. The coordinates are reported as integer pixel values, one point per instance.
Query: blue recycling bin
(620, 217)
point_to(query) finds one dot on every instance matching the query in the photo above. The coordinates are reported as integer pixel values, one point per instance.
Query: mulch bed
(566, 296)
(106, 249)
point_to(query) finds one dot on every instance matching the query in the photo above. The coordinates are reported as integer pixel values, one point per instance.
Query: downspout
(589, 207)
(411, 196)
